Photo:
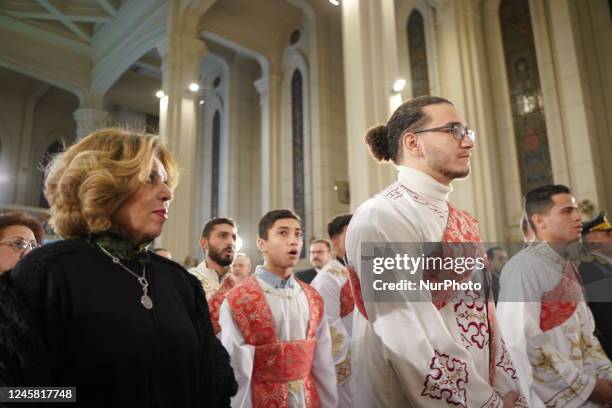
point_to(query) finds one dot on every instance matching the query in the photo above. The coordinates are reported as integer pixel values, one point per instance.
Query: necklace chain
(145, 300)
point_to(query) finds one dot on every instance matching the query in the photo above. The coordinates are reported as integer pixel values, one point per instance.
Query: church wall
(329, 151)
(34, 115)
(502, 134)
(52, 121)
(337, 125)
(12, 106)
(591, 24)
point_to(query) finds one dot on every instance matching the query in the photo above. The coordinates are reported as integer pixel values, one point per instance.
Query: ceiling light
(160, 94)
(194, 87)
(201, 102)
(398, 85)
(335, 2)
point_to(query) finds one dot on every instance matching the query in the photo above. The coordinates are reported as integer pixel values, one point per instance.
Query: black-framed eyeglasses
(456, 129)
(19, 244)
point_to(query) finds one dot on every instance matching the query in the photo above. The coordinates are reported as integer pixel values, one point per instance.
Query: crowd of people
(128, 326)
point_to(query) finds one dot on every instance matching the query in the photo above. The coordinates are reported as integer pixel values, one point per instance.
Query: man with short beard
(219, 244)
(442, 351)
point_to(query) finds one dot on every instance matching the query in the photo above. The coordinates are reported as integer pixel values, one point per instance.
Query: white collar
(202, 271)
(424, 184)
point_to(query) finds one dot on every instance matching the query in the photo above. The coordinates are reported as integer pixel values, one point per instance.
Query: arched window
(53, 149)
(297, 128)
(216, 154)
(525, 94)
(417, 51)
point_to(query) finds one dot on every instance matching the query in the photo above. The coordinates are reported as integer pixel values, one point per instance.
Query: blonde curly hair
(89, 181)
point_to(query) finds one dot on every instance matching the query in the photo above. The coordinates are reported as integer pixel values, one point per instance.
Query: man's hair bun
(378, 141)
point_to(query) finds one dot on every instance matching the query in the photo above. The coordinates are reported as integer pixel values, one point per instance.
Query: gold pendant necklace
(145, 300)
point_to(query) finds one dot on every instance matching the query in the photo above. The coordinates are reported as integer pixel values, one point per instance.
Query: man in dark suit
(320, 254)
(596, 274)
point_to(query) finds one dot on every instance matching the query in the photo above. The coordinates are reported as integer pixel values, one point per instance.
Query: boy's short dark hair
(337, 224)
(539, 200)
(268, 220)
(210, 225)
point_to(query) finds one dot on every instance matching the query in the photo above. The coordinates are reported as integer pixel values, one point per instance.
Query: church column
(572, 137)
(181, 57)
(369, 72)
(91, 116)
(464, 81)
(262, 85)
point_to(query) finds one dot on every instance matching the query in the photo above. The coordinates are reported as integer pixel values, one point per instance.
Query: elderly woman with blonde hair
(97, 310)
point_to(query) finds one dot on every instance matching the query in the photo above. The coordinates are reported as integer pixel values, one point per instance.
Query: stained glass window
(216, 153)
(525, 95)
(297, 127)
(418, 54)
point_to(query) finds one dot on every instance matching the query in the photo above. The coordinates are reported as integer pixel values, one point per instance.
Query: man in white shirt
(219, 245)
(273, 327)
(434, 353)
(546, 323)
(333, 285)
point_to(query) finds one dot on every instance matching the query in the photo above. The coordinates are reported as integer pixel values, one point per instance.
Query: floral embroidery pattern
(214, 303)
(494, 401)
(505, 363)
(447, 380)
(559, 304)
(472, 321)
(347, 301)
(276, 363)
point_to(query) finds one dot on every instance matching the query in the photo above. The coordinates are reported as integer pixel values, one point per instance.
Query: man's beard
(438, 164)
(215, 255)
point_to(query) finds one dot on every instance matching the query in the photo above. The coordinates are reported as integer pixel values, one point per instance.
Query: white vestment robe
(549, 337)
(290, 312)
(411, 354)
(329, 282)
(208, 277)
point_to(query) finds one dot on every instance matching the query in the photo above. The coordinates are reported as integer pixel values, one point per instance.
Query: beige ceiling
(76, 19)
(255, 24)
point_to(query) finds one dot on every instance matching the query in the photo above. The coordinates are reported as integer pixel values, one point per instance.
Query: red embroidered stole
(356, 289)
(461, 227)
(214, 303)
(276, 363)
(347, 301)
(560, 303)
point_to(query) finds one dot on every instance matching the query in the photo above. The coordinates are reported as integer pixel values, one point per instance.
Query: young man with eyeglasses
(19, 234)
(442, 351)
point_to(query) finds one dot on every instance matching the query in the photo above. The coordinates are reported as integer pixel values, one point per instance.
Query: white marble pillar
(369, 72)
(262, 85)
(567, 83)
(181, 57)
(90, 119)
(464, 80)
